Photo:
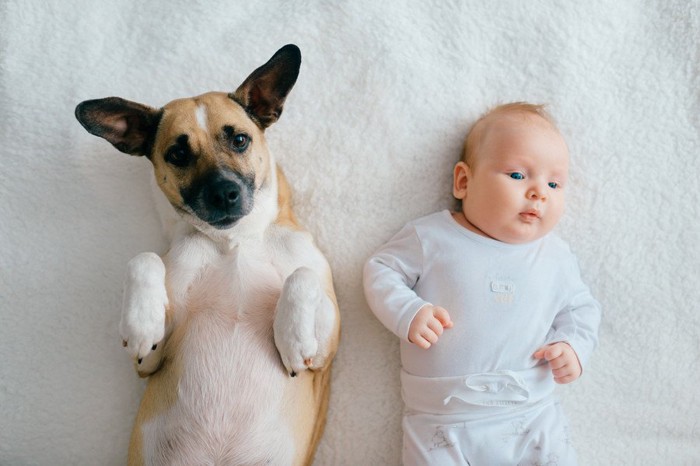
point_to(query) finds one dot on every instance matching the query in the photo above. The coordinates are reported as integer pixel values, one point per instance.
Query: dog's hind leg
(142, 325)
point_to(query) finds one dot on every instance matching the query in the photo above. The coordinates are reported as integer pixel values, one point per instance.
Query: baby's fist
(562, 360)
(427, 326)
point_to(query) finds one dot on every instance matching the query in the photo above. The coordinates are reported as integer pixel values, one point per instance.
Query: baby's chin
(521, 232)
(521, 235)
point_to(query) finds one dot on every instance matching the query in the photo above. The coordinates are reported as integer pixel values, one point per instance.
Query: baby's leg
(432, 440)
(537, 435)
(548, 440)
(533, 436)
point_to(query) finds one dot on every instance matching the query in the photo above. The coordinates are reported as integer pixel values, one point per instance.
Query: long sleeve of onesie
(578, 321)
(389, 277)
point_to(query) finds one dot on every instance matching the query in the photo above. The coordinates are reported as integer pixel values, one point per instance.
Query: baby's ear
(461, 176)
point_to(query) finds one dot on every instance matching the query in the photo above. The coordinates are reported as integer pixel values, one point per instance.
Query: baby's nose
(537, 193)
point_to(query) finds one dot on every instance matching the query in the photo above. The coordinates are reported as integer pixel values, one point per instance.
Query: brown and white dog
(237, 324)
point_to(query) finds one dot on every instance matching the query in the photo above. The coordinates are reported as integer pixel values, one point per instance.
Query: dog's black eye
(239, 142)
(178, 156)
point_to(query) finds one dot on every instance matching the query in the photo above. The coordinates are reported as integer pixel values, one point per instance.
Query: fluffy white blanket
(368, 138)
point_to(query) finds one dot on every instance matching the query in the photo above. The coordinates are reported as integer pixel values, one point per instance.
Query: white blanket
(368, 139)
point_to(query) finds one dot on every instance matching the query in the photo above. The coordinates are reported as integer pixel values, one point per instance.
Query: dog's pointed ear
(262, 94)
(128, 126)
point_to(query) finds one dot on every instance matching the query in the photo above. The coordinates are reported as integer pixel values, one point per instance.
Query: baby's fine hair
(478, 129)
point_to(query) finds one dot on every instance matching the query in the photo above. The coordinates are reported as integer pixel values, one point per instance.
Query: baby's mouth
(530, 215)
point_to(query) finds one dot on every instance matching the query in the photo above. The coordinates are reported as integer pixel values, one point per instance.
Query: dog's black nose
(220, 198)
(222, 194)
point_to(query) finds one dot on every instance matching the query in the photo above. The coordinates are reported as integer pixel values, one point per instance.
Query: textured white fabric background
(368, 139)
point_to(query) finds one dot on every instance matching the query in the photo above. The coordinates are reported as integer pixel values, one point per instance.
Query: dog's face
(210, 159)
(208, 152)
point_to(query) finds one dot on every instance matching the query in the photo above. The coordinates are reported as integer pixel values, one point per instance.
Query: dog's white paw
(301, 308)
(142, 324)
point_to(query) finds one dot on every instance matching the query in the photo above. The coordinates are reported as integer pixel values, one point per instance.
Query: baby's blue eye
(517, 176)
(553, 185)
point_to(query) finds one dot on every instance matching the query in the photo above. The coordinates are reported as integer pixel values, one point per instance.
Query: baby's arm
(574, 330)
(389, 277)
(562, 360)
(427, 326)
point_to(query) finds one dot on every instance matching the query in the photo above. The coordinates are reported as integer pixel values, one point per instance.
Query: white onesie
(506, 301)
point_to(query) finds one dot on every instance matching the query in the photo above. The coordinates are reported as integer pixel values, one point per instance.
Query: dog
(236, 326)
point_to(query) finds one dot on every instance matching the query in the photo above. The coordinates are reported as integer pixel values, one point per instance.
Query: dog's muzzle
(220, 198)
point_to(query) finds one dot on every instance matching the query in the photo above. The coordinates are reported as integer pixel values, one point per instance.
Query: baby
(489, 303)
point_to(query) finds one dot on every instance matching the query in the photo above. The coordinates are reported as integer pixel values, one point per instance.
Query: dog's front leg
(305, 326)
(142, 325)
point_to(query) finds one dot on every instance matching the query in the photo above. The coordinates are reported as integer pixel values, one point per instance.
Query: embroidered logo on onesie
(503, 291)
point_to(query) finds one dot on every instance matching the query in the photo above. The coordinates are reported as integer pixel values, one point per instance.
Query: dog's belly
(230, 381)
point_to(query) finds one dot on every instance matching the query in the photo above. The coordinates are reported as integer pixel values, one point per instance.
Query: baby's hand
(562, 359)
(427, 326)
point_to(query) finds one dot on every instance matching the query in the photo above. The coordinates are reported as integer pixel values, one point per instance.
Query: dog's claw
(124, 343)
(308, 362)
(140, 360)
(153, 348)
(293, 374)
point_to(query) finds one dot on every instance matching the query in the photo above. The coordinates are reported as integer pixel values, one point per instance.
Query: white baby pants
(496, 422)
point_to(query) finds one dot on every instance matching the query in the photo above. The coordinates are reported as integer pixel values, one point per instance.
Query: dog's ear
(262, 94)
(129, 126)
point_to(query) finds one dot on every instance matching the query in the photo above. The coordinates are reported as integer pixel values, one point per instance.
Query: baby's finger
(429, 336)
(565, 379)
(421, 342)
(423, 337)
(558, 363)
(539, 354)
(562, 371)
(552, 352)
(443, 317)
(435, 326)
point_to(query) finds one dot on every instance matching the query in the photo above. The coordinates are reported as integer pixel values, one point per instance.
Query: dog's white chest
(222, 325)
(241, 286)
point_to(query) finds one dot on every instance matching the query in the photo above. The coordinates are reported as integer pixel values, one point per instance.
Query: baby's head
(512, 175)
